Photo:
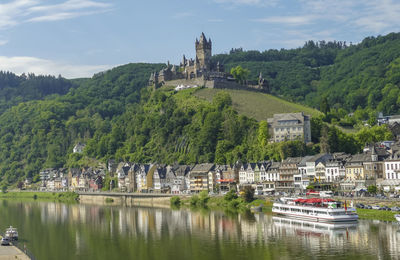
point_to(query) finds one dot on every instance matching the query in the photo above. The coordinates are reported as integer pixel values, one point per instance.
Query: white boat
(11, 233)
(397, 216)
(315, 209)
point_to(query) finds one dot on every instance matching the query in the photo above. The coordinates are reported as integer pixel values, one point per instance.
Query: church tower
(203, 52)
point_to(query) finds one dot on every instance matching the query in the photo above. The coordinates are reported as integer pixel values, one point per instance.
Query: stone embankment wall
(371, 201)
(125, 200)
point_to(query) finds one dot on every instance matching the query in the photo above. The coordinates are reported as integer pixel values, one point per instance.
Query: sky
(77, 38)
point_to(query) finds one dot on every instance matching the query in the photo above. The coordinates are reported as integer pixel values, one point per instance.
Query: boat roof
(313, 200)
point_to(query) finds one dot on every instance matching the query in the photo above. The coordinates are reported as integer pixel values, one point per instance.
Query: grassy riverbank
(69, 197)
(230, 202)
(376, 214)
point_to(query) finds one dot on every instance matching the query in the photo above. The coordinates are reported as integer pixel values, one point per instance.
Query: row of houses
(377, 165)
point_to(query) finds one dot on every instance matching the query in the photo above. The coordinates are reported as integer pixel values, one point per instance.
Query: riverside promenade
(126, 199)
(12, 252)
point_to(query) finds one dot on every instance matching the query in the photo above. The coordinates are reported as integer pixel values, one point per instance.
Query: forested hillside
(16, 89)
(119, 117)
(366, 75)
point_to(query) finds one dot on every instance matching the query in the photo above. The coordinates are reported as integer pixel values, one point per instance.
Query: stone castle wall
(218, 84)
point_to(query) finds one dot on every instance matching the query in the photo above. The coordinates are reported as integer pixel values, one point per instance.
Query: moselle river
(63, 231)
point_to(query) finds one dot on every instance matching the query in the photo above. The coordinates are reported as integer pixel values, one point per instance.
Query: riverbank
(12, 252)
(225, 203)
(238, 204)
(65, 197)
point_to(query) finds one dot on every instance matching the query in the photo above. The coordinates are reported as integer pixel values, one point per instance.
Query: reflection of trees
(146, 232)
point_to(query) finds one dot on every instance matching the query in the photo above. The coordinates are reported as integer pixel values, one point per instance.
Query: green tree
(324, 142)
(262, 134)
(248, 195)
(324, 105)
(231, 195)
(240, 74)
(372, 189)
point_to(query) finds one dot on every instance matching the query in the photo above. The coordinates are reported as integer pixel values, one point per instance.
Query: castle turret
(184, 61)
(203, 51)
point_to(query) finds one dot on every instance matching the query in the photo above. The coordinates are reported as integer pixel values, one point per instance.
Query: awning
(226, 180)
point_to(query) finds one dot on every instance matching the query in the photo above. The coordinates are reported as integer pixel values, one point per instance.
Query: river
(64, 231)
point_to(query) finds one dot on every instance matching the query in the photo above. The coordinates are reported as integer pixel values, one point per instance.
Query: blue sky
(76, 38)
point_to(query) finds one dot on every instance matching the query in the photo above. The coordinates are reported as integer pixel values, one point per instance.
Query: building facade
(290, 126)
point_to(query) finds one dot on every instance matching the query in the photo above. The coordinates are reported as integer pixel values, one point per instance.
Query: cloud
(290, 20)
(3, 42)
(21, 11)
(39, 66)
(249, 2)
(183, 15)
(215, 20)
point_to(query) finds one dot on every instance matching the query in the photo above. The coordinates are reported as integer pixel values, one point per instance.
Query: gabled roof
(289, 117)
(292, 160)
(305, 159)
(204, 167)
(182, 170)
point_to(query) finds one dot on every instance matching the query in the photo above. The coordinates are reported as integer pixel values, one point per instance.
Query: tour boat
(11, 233)
(315, 209)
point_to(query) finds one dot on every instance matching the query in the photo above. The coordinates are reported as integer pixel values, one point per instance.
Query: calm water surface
(62, 231)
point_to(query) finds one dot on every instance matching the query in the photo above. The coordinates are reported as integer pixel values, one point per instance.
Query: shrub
(109, 200)
(234, 203)
(175, 201)
(194, 200)
(231, 195)
(203, 198)
(248, 195)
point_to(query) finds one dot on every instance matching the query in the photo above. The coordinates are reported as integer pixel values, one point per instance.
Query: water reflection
(61, 231)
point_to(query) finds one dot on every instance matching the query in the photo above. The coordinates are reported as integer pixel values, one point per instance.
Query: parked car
(5, 241)
(386, 208)
(376, 207)
(395, 209)
(360, 206)
(368, 207)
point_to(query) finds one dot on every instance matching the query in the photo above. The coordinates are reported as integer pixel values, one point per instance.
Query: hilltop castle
(201, 71)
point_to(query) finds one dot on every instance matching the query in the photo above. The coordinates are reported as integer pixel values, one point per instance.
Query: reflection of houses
(199, 177)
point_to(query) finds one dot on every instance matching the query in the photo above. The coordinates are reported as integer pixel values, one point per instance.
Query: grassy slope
(257, 105)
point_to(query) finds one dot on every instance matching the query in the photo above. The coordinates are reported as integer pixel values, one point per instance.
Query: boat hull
(315, 214)
(349, 218)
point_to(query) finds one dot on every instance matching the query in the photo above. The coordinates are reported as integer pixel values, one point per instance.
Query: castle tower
(203, 51)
